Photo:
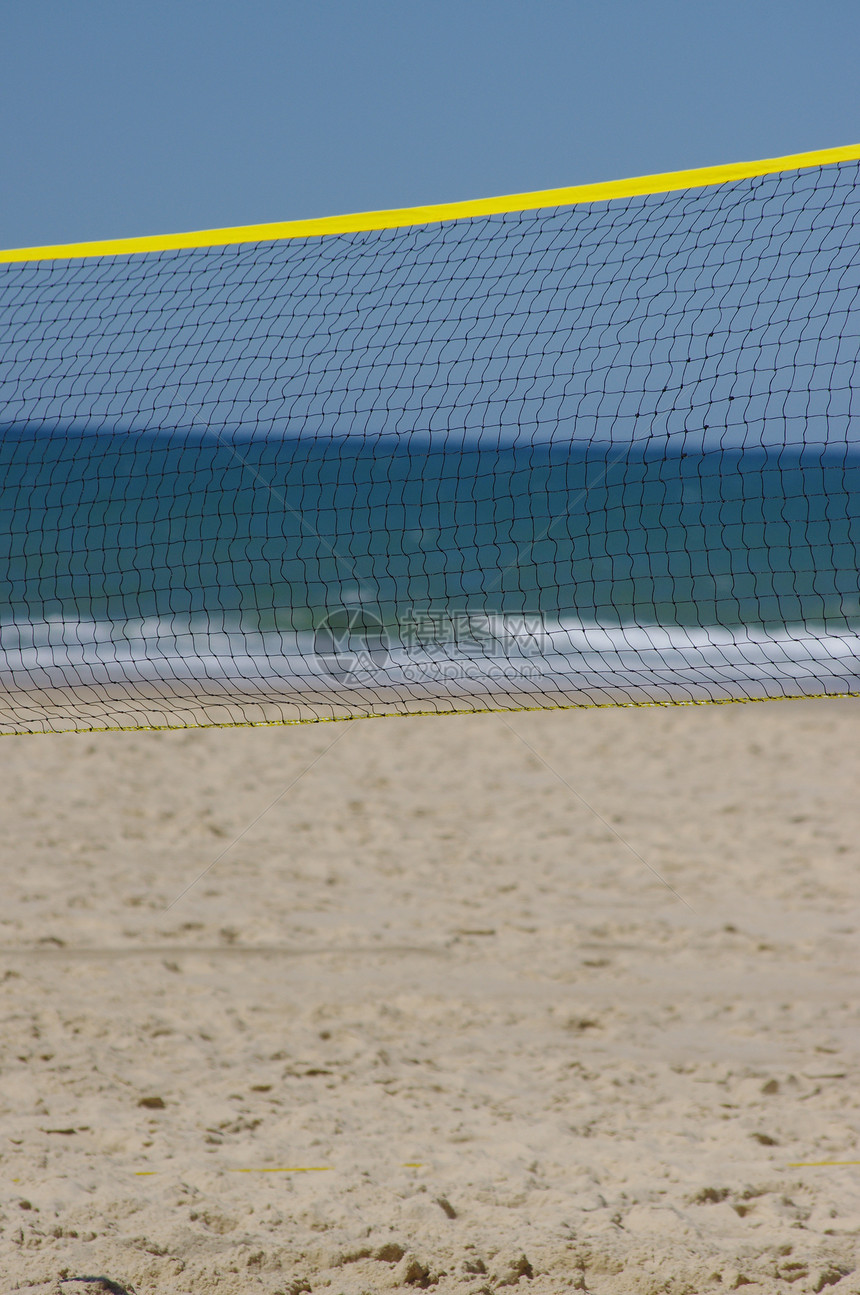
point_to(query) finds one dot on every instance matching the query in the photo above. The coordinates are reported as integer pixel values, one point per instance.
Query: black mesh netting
(600, 453)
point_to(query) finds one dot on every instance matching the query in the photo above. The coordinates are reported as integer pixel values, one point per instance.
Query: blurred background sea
(274, 533)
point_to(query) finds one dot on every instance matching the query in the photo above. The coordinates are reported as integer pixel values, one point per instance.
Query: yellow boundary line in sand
(418, 1164)
(264, 1169)
(403, 217)
(278, 1169)
(288, 1169)
(815, 1164)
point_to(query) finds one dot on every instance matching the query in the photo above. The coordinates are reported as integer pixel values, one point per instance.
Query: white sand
(433, 971)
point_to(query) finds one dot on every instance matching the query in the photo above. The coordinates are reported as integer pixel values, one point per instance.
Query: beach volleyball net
(586, 446)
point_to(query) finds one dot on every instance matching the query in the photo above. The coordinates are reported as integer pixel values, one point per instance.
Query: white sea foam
(541, 663)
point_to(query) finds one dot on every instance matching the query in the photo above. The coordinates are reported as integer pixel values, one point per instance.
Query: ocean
(354, 569)
(274, 533)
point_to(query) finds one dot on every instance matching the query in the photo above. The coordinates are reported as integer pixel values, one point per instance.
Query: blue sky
(122, 119)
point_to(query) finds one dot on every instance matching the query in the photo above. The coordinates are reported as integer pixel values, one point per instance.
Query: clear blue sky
(123, 118)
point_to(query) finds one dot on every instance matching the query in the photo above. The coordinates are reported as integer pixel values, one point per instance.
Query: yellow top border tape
(669, 182)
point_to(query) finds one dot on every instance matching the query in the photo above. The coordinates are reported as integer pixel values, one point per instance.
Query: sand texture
(504, 1051)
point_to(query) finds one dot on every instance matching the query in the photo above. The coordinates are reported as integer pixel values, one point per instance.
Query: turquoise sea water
(275, 533)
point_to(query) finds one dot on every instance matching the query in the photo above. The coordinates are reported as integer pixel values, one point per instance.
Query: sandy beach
(561, 1000)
